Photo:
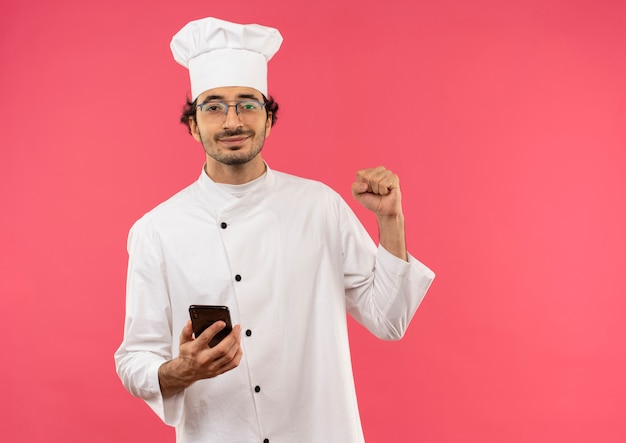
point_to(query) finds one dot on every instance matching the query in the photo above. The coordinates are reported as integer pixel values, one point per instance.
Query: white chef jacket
(289, 259)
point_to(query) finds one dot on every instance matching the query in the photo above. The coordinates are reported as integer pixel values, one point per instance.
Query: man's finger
(210, 332)
(232, 362)
(359, 188)
(380, 181)
(228, 347)
(187, 333)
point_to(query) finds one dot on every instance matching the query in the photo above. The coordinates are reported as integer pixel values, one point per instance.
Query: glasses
(245, 109)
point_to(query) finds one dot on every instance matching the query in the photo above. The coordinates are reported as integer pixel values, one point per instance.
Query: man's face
(230, 138)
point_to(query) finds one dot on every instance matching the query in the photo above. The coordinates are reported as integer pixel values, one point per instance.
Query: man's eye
(213, 108)
(251, 106)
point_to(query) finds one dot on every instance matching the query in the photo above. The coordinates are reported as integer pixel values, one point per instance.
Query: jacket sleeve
(148, 337)
(383, 291)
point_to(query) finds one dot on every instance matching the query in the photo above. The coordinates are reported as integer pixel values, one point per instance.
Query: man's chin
(233, 159)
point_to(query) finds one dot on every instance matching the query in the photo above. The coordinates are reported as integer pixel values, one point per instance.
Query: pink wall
(505, 121)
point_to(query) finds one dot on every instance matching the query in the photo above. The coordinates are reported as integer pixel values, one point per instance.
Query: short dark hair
(189, 110)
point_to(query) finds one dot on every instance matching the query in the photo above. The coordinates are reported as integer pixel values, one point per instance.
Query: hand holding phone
(203, 316)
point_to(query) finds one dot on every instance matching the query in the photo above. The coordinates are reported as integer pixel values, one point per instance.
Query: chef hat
(220, 53)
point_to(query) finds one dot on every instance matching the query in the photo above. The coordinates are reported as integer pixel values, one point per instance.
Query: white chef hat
(220, 53)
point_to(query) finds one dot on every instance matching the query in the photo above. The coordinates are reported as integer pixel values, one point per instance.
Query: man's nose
(232, 119)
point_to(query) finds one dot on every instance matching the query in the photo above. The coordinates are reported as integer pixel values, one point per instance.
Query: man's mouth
(233, 141)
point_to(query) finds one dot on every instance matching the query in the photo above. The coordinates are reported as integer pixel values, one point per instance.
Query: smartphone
(203, 316)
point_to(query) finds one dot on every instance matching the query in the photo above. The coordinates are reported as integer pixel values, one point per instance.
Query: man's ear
(193, 128)
(268, 124)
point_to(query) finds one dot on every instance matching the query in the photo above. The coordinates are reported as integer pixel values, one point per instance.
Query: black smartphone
(203, 316)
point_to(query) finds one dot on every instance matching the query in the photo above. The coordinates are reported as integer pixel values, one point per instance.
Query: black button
(238, 277)
(223, 225)
(267, 440)
(257, 389)
(248, 332)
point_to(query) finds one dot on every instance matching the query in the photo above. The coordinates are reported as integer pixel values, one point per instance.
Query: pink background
(505, 121)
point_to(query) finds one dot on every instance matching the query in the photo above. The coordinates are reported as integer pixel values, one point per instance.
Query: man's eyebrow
(250, 96)
(210, 98)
